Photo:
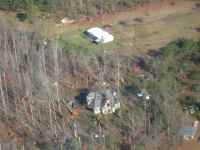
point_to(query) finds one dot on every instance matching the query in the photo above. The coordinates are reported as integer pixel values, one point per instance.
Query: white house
(99, 35)
(103, 101)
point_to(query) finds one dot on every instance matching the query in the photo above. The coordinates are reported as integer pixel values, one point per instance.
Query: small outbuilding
(189, 133)
(99, 35)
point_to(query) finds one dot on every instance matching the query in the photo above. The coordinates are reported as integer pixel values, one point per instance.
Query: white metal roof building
(99, 35)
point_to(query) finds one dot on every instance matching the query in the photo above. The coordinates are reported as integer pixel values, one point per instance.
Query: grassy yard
(78, 42)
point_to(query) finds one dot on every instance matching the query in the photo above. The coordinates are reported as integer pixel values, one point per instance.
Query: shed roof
(98, 100)
(188, 131)
(101, 34)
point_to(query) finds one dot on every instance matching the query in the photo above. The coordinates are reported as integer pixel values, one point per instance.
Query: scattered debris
(98, 138)
(75, 128)
(124, 23)
(198, 29)
(21, 16)
(139, 20)
(155, 53)
(197, 5)
(67, 21)
(136, 69)
(143, 94)
(108, 28)
(45, 42)
(73, 109)
(192, 109)
(172, 3)
(198, 140)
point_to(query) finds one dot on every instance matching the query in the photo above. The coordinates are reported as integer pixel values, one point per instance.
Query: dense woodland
(39, 77)
(71, 8)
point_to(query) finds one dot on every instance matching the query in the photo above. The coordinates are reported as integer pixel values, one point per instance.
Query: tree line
(72, 8)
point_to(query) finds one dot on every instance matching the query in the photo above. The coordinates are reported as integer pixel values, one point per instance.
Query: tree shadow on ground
(81, 98)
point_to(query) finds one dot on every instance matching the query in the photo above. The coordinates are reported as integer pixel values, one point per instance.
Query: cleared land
(143, 28)
(136, 30)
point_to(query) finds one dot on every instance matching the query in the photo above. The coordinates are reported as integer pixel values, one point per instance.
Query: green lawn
(76, 41)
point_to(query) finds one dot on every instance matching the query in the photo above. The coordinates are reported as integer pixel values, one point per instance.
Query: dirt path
(150, 12)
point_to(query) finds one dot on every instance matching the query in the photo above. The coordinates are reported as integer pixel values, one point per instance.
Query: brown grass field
(161, 23)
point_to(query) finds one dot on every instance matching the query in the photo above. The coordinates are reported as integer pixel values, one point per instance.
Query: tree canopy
(72, 8)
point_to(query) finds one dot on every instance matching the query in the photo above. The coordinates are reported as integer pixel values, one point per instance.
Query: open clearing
(141, 29)
(136, 30)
